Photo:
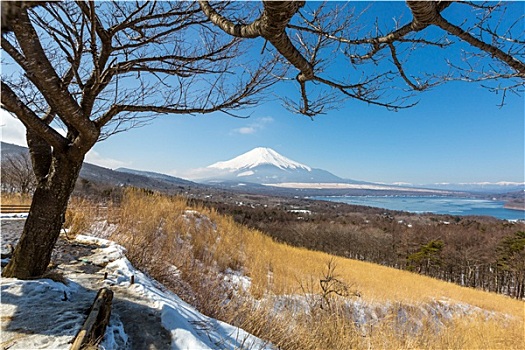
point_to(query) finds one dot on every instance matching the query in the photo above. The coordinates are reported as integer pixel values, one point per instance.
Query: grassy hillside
(207, 258)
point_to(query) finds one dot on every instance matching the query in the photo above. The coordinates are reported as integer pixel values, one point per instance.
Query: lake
(437, 205)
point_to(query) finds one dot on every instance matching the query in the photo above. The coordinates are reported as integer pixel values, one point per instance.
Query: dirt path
(141, 323)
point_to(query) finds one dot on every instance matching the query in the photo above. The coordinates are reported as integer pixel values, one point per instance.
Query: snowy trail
(43, 314)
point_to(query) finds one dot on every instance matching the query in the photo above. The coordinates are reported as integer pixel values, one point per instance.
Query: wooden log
(95, 325)
(14, 208)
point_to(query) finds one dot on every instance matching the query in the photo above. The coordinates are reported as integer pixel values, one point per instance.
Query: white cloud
(246, 130)
(255, 126)
(13, 131)
(94, 157)
(266, 120)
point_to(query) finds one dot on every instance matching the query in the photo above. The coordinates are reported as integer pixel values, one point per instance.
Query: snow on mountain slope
(259, 156)
(264, 166)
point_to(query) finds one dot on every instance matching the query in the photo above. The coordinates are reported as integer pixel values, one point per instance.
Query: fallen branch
(95, 325)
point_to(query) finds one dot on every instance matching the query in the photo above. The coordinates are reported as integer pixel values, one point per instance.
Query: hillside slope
(273, 290)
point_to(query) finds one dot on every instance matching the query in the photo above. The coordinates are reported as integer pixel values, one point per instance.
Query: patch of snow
(189, 328)
(366, 314)
(193, 217)
(26, 305)
(115, 335)
(236, 280)
(14, 215)
(246, 173)
(191, 212)
(102, 229)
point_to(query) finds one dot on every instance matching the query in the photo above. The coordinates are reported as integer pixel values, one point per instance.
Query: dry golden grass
(160, 231)
(376, 283)
(80, 214)
(15, 199)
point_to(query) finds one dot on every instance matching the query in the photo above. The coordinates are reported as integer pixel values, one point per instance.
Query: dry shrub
(80, 215)
(156, 233)
(76, 222)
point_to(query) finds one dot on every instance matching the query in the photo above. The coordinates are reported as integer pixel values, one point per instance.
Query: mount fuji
(265, 166)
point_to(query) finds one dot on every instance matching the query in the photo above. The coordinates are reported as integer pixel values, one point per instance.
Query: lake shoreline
(514, 206)
(441, 205)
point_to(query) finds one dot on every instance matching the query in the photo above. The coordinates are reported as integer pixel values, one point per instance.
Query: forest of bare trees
(17, 174)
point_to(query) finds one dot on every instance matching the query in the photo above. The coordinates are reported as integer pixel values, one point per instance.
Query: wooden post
(94, 327)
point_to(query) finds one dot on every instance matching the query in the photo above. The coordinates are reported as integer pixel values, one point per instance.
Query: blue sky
(456, 133)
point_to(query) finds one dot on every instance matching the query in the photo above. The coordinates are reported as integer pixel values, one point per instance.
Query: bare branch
(271, 26)
(252, 30)
(259, 81)
(402, 72)
(30, 120)
(42, 74)
(490, 49)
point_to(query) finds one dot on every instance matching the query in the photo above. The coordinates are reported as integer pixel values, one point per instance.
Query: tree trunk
(425, 13)
(46, 216)
(11, 9)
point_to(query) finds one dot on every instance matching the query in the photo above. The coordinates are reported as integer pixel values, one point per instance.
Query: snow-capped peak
(259, 156)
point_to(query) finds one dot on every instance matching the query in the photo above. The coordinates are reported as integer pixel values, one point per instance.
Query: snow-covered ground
(43, 314)
(13, 215)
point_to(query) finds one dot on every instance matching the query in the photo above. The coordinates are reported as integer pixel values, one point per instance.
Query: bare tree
(17, 173)
(332, 285)
(311, 37)
(92, 69)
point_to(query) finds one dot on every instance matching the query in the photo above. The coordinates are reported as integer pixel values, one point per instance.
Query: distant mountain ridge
(497, 187)
(263, 169)
(153, 175)
(101, 175)
(264, 165)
